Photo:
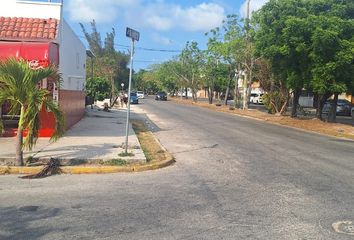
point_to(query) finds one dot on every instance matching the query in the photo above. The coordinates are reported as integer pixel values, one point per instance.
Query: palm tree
(19, 86)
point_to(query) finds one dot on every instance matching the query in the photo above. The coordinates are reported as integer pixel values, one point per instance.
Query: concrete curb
(90, 169)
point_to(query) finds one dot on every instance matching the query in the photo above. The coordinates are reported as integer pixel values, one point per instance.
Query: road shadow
(22, 222)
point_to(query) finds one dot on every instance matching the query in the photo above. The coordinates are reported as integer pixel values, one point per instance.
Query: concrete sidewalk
(98, 136)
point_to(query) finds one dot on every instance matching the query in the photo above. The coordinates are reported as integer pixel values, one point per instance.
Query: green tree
(190, 61)
(332, 50)
(19, 87)
(227, 45)
(282, 37)
(151, 82)
(138, 80)
(108, 63)
(309, 44)
(98, 88)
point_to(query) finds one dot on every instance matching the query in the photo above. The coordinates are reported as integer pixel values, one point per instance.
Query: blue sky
(163, 24)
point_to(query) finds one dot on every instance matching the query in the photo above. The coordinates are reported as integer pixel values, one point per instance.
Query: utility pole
(248, 75)
(134, 35)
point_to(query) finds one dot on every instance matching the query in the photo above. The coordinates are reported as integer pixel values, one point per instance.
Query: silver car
(140, 94)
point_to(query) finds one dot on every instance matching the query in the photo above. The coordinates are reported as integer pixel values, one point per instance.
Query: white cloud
(254, 6)
(102, 11)
(202, 17)
(161, 39)
(158, 14)
(163, 16)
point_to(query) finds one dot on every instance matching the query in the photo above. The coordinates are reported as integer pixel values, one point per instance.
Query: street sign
(134, 35)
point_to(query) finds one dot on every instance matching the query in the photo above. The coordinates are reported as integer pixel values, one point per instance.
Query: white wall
(72, 59)
(306, 101)
(30, 9)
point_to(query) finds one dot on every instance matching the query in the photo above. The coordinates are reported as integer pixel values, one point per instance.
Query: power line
(144, 48)
(147, 61)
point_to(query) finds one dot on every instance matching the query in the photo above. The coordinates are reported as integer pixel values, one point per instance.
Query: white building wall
(30, 9)
(72, 59)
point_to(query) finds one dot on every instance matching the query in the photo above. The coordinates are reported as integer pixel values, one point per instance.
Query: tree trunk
(295, 102)
(112, 90)
(186, 89)
(284, 107)
(315, 100)
(321, 100)
(244, 100)
(210, 95)
(227, 90)
(19, 139)
(236, 97)
(226, 95)
(194, 96)
(249, 83)
(333, 110)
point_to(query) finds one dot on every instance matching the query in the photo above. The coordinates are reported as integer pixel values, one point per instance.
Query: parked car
(161, 96)
(352, 112)
(343, 107)
(140, 94)
(256, 98)
(134, 98)
(229, 97)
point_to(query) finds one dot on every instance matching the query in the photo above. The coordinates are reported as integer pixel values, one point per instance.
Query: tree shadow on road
(26, 222)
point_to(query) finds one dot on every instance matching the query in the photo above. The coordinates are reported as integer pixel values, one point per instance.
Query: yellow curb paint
(89, 169)
(19, 170)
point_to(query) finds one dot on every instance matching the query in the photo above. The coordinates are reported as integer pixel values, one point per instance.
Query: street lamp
(122, 84)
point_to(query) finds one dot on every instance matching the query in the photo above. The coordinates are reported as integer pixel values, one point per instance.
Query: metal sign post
(134, 35)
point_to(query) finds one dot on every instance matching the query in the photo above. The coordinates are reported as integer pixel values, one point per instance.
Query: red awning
(37, 53)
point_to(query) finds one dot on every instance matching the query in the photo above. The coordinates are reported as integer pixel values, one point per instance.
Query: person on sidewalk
(121, 99)
(125, 99)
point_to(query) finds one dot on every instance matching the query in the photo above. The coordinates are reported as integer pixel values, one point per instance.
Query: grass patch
(124, 154)
(151, 148)
(114, 162)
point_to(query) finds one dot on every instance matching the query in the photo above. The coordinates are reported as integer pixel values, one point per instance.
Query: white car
(140, 94)
(256, 98)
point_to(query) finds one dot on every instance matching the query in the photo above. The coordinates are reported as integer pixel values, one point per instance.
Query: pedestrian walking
(125, 99)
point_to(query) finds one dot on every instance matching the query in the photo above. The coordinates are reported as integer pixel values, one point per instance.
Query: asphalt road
(235, 178)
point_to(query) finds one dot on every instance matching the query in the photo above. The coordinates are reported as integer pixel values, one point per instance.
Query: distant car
(229, 97)
(343, 107)
(161, 96)
(256, 98)
(134, 98)
(140, 94)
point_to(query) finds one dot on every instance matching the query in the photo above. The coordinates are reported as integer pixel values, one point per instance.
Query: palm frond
(19, 86)
(31, 117)
(59, 120)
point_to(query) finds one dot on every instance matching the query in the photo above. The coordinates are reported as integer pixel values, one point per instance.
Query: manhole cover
(29, 208)
(346, 227)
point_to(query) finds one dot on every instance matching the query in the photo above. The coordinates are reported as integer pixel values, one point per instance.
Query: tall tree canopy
(108, 63)
(308, 44)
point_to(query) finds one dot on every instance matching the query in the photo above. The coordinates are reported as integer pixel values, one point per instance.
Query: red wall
(72, 103)
(41, 52)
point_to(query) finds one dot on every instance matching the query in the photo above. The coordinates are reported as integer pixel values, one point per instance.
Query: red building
(44, 41)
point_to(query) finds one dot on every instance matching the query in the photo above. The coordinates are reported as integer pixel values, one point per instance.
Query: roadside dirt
(152, 149)
(313, 124)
